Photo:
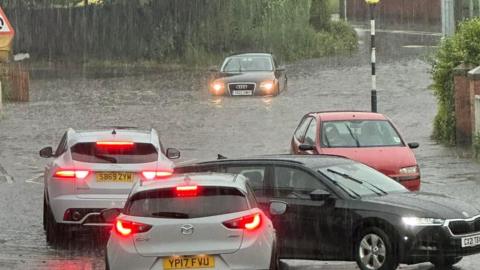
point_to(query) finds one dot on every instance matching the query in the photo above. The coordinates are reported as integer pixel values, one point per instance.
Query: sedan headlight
(266, 85)
(416, 221)
(409, 170)
(217, 86)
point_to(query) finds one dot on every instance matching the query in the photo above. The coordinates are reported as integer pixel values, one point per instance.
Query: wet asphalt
(177, 104)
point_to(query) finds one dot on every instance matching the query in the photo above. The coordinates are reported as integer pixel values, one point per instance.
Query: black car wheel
(45, 213)
(55, 232)
(274, 261)
(446, 262)
(373, 250)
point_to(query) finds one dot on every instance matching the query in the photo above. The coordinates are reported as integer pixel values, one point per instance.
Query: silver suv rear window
(164, 203)
(137, 153)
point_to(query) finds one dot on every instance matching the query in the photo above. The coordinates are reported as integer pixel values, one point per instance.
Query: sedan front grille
(459, 227)
(241, 86)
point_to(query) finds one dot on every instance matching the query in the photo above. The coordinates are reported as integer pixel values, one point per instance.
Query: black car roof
(311, 161)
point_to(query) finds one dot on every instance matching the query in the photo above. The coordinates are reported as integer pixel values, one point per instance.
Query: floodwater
(177, 104)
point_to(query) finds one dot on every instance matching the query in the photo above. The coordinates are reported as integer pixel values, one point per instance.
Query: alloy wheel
(372, 251)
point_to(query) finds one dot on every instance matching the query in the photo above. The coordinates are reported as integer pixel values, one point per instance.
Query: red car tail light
(250, 222)
(71, 174)
(152, 175)
(127, 228)
(186, 191)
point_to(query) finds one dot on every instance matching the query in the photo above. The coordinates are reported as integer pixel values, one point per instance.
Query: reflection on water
(216, 101)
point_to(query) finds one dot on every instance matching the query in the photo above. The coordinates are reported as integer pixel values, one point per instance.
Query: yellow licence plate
(117, 177)
(184, 262)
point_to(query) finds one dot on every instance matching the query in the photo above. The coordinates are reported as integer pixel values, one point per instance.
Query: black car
(248, 74)
(339, 209)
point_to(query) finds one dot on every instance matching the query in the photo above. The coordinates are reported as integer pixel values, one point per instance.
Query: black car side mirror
(46, 152)
(306, 147)
(319, 195)
(281, 68)
(413, 145)
(278, 208)
(173, 153)
(109, 215)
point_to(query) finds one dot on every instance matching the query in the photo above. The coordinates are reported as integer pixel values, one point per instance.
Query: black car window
(311, 133)
(302, 127)
(62, 146)
(254, 174)
(292, 182)
(251, 197)
(363, 180)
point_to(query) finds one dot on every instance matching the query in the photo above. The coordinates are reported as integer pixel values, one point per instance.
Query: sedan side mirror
(413, 145)
(46, 152)
(306, 147)
(281, 68)
(319, 195)
(109, 215)
(173, 153)
(278, 208)
(213, 69)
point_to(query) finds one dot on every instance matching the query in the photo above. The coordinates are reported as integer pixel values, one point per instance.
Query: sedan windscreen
(136, 153)
(247, 63)
(359, 133)
(166, 203)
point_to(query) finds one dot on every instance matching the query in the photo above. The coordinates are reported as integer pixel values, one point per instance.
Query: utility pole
(373, 93)
(448, 17)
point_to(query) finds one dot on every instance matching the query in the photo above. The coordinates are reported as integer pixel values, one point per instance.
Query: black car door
(309, 229)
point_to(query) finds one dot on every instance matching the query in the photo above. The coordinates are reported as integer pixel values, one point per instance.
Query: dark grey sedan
(249, 74)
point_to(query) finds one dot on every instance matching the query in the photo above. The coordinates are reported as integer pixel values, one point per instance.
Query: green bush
(463, 47)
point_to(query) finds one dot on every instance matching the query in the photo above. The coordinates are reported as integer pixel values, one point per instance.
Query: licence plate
(471, 241)
(117, 177)
(187, 262)
(242, 92)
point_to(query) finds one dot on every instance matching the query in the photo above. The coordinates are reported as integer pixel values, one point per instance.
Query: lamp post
(373, 95)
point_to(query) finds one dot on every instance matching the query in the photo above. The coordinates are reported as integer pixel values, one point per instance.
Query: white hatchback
(192, 221)
(95, 170)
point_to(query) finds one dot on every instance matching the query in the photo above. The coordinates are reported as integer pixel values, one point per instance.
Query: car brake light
(152, 175)
(114, 144)
(186, 191)
(250, 222)
(127, 228)
(71, 174)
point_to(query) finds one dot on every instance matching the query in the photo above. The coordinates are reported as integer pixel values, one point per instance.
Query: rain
(145, 63)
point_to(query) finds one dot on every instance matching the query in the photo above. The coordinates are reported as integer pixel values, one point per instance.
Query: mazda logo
(186, 229)
(241, 86)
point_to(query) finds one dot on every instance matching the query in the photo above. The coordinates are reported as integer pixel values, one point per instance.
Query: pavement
(187, 117)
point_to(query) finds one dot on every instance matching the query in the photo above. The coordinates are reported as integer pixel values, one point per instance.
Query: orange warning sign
(6, 37)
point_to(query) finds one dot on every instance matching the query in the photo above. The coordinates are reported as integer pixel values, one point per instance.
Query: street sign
(6, 37)
(5, 26)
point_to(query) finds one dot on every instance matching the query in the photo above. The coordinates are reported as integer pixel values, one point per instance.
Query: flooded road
(177, 104)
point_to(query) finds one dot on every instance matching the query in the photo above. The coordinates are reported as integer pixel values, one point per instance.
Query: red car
(370, 138)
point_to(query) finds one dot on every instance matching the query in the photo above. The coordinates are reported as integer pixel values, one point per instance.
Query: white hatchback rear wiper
(170, 215)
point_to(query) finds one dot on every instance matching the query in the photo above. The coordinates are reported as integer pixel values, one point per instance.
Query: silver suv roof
(136, 135)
